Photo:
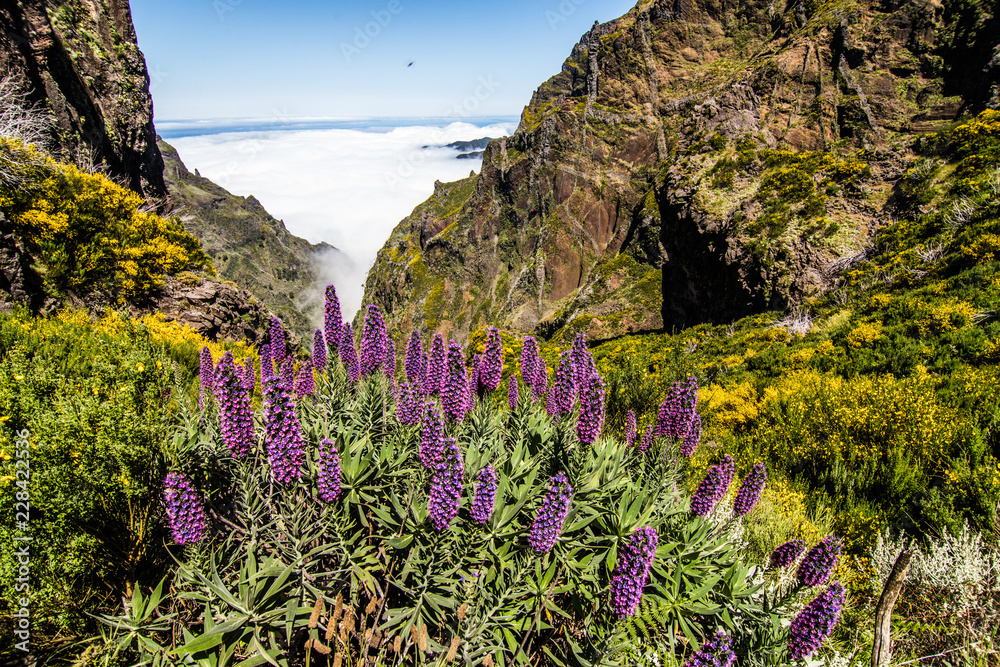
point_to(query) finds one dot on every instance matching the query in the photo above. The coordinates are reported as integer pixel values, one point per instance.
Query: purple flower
(692, 436)
(205, 376)
(446, 486)
(560, 399)
(348, 354)
(437, 366)
(329, 471)
(282, 433)
(304, 383)
(648, 436)
(787, 553)
(184, 509)
(632, 571)
(372, 341)
(551, 515)
(278, 351)
(678, 419)
(319, 351)
(750, 490)
(411, 363)
(512, 392)
(588, 426)
(713, 487)
(266, 365)
(533, 372)
(486, 493)
(235, 417)
(582, 363)
(408, 404)
(423, 373)
(715, 653)
(815, 622)
(818, 564)
(453, 393)
(491, 367)
(630, 428)
(249, 375)
(287, 372)
(332, 320)
(431, 437)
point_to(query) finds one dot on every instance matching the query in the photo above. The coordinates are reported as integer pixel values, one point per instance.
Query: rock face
(79, 61)
(693, 161)
(214, 309)
(250, 247)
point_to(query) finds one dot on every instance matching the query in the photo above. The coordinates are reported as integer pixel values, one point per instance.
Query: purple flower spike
(632, 571)
(287, 372)
(266, 365)
(588, 426)
(678, 419)
(389, 364)
(750, 490)
(787, 553)
(184, 509)
(332, 321)
(206, 373)
(304, 383)
(582, 363)
(648, 436)
(446, 486)
(630, 428)
(319, 351)
(815, 622)
(563, 392)
(551, 515)
(329, 471)
(453, 393)
(348, 353)
(486, 494)
(713, 487)
(235, 417)
(282, 434)
(372, 341)
(715, 653)
(437, 366)
(431, 437)
(491, 366)
(512, 392)
(408, 403)
(249, 375)
(278, 345)
(818, 564)
(411, 363)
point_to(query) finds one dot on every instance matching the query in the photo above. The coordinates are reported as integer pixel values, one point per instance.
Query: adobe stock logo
(363, 35)
(565, 9)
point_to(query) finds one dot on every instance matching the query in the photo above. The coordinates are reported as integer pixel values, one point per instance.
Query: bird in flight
(411, 63)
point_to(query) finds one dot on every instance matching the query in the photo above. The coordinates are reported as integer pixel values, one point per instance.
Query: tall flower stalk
(373, 338)
(411, 362)
(348, 353)
(184, 509)
(282, 433)
(333, 323)
(319, 351)
(446, 486)
(818, 564)
(437, 366)
(632, 571)
(206, 373)
(278, 343)
(491, 363)
(713, 487)
(551, 516)
(486, 493)
(328, 482)
(750, 490)
(815, 622)
(235, 416)
(591, 419)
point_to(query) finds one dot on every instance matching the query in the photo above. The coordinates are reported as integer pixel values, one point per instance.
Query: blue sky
(307, 58)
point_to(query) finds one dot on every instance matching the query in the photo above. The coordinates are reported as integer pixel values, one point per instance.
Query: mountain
(79, 61)
(692, 162)
(248, 246)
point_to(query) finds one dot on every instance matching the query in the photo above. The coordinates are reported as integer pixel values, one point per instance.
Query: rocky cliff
(79, 61)
(694, 160)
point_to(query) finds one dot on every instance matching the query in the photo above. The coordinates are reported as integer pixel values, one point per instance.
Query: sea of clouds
(346, 182)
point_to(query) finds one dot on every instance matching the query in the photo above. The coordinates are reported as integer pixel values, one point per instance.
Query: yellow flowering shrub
(864, 334)
(88, 233)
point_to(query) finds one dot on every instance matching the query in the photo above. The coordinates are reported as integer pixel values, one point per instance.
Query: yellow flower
(140, 367)
(4, 418)
(95, 391)
(18, 377)
(4, 455)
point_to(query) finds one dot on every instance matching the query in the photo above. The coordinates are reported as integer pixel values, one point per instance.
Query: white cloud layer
(344, 186)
